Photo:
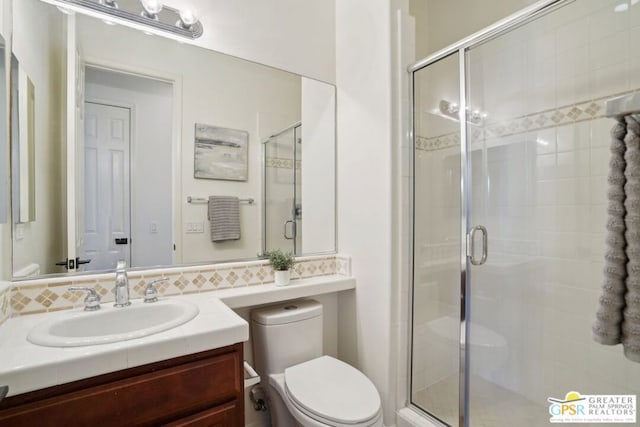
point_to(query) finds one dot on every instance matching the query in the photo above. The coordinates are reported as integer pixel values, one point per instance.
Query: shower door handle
(291, 236)
(471, 245)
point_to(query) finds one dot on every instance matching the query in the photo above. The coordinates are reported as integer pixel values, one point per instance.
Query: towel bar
(203, 201)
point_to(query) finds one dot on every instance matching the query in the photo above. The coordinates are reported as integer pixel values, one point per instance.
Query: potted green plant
(282, 262)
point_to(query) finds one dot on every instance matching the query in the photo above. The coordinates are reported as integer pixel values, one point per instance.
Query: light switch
(19, 232)
(195, 227)
(154, 227)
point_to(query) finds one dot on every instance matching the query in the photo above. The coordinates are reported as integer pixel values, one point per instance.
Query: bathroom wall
(204, 76)
(539, 183)
(151, 104)
(289, 34)
(40, 48)
(363, 78)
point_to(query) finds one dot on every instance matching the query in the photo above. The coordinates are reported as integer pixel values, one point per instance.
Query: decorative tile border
(48, 295)
(438, 142)
(568, 114)
(4, 304)
(343, 265)
(282, 163)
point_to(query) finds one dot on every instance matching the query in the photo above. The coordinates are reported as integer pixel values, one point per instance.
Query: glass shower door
(538, 141)
(436, 261)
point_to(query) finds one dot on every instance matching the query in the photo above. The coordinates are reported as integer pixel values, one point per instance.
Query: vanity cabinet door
(205, 389)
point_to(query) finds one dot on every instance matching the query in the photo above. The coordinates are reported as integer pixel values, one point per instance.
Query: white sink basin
(111, 324)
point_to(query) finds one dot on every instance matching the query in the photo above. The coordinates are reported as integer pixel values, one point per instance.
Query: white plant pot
(282, 278)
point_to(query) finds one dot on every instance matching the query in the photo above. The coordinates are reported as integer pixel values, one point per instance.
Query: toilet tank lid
(288, 312)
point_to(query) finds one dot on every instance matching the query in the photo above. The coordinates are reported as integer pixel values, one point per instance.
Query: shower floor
(490, 405)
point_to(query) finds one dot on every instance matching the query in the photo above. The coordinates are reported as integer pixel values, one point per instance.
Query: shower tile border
(282, 163)
(546, 119)
(52, 294)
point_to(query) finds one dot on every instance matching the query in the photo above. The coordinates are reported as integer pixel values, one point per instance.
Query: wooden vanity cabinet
(202, 389)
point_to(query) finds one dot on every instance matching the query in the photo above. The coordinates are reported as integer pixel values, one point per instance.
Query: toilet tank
(285, 335)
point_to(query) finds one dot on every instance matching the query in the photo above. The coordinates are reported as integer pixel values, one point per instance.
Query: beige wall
(41, 51)
(440, 23)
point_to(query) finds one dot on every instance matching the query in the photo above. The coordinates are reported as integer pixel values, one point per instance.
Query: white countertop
(25, 366)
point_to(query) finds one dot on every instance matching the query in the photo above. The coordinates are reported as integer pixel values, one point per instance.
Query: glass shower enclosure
(510, 161)
(282, 195)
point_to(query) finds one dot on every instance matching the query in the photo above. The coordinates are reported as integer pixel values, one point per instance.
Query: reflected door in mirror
(107, 225)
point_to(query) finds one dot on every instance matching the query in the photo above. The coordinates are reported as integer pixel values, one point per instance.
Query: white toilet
(303, 386)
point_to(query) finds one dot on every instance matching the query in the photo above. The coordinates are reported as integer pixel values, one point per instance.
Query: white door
(107, 227)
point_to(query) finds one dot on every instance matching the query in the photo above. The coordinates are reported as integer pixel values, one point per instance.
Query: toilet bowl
(303, 386)
(489, 349)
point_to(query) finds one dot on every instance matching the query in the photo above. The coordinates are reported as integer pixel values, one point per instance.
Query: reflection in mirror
(136, 102)
(282, 195)
(4, 149)
(22, 144)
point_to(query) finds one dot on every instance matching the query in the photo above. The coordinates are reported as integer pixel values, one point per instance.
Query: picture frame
(220, 153)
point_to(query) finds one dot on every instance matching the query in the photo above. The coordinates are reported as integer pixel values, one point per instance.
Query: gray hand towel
(618, 316)
(631, 315)
(224, 216)
(607, 328)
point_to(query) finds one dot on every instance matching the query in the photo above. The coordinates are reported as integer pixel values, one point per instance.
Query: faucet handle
(92, 300)
(150, 291)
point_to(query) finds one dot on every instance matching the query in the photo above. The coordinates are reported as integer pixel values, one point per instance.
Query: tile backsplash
(47, 295)
(4, 304)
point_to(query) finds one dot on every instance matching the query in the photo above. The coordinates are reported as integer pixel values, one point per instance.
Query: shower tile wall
(539, 164)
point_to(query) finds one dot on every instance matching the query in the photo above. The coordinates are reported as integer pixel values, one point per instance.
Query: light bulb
(188, 17)
(151, 7)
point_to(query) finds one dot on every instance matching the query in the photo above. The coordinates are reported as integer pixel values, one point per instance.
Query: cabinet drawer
(221, 416)
(148, 399)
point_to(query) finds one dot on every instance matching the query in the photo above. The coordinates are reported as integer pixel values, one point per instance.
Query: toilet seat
(332, 393)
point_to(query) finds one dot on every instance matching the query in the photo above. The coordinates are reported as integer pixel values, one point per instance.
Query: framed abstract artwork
(220, 153)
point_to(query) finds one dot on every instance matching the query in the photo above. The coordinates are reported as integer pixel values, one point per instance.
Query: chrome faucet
(122, 285)
(150, 292)
(92, 300)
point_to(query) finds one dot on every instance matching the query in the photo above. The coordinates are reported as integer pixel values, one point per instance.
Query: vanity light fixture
(151, 8)
(147, 15)
(188, 18)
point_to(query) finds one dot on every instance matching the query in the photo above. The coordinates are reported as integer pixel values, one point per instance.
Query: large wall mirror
(140, 144)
